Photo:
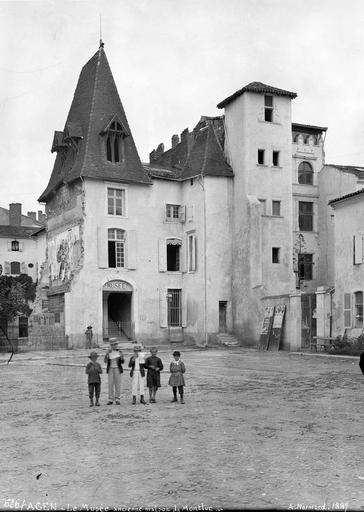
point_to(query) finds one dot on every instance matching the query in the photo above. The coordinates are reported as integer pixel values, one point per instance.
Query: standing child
(137, 374)
(154, 366)
(176, 380)
(93, 370)
(114, 360)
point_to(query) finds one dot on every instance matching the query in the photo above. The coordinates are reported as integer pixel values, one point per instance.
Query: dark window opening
(276, 208)
(23, 327)
(173, 257)
(305, 174)
(30, 265)
(305, 216)
(15, 245)
(15, 267)
(261, 156)
(275, 158)
(305, 265)
(108, 149)
(358, 309)
(112, 255)
(275, 254)
(268, 108)
(57, 317)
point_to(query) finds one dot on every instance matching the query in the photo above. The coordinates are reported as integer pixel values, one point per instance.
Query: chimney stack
(15, 214)
(160, 150)
(152, 156)
(175, 141)
(32, 215)
(41, 217)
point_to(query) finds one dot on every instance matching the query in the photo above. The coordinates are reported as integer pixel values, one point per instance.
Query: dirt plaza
(258, 430)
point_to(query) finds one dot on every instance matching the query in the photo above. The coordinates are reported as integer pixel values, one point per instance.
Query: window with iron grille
(116, 246)
(305, 265)
(268, 108)
(305, 173)
(174, 297)
(116, 201)
(305, 216)
(172, 212)
(174, 254)
(358, 309)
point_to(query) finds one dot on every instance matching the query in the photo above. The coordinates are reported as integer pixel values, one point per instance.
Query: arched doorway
(117, 310)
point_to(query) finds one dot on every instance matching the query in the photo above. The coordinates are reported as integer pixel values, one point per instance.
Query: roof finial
(101, 42)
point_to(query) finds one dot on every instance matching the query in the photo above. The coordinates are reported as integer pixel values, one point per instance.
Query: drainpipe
(201, 182)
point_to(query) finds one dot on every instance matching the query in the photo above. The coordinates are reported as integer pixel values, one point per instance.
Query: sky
(172, 62)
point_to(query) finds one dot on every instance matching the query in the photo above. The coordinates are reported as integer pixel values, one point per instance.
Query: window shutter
(184, 308)
(7, 267)
(182, 213)
(20, 246)
(190, 212)
(347, 310)
(102, 247)
(162, 255)
(132, 249)
(358, 249)
(184, 254)
(9, 246)
(163, 307)
(23, 268)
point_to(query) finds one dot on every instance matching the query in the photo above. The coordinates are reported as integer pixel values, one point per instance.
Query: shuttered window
(358, 249)
(347, 310)
(305, 216)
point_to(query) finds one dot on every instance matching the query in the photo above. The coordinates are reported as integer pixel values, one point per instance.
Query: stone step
(227, 339)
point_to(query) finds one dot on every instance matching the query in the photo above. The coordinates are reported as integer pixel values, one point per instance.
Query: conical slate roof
(81, 152)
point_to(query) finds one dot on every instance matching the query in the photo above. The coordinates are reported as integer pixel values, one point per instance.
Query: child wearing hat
(114, 360)
(137, 373)
(93, 370)
(176, 380)
(154, 366)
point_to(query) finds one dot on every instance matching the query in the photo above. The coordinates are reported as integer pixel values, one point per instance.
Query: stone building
(230, 219)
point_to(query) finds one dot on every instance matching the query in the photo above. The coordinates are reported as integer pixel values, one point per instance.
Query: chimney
(175, 141)
(152, 156)
(32, 215)
(160, 150)
(15, 214)
(184, 136)
(41, 217)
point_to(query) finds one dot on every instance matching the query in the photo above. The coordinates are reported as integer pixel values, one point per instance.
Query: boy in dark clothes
(154, 366)
(93, 370)
(361, 362)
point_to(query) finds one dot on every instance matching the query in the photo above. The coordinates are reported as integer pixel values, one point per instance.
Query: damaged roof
(257, 87)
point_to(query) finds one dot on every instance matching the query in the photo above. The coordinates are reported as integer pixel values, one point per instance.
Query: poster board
(276, 336)
(266, 329)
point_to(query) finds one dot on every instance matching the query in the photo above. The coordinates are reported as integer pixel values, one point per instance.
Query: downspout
(202, 183)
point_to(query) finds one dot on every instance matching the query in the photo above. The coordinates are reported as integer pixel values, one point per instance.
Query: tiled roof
(259, 88)
(95, 102)
(157, 172)
(308, 128)
(17, 231)
(347, 196)
(352, 169)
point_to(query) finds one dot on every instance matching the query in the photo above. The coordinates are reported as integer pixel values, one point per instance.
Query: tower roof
(81, 146)
(259, 88)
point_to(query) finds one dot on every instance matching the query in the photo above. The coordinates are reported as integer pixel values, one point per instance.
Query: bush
(348, 346)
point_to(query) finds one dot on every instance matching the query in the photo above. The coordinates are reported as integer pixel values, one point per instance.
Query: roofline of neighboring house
(347, 196)
(310, 127)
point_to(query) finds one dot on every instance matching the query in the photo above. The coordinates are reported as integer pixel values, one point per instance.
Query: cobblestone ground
(257, 430)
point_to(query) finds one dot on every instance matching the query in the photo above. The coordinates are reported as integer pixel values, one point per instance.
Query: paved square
(258, 430)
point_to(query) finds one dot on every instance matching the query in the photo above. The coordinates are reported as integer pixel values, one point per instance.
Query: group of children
(139, 366)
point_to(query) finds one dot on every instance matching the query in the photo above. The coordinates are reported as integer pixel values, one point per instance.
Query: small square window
(261, 156)
(276, 208)
(172, 211)
(275, 159)
(275, 254)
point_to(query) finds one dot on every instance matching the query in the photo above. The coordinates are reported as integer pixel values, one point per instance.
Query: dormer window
(114, 141)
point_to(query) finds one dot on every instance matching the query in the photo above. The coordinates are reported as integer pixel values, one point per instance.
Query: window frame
(261, 153)
(114, 143)
(172, 208)
(12, 263)
(275, 161)
(174, 241)
(124, 200)
(276, 253)
(303, 216)
(268, 108)
(119, 248)
(358, 309)
(276, 202)
(306, 266)
(263, 203)
(191, 252)
(304, 173)
(174, 307)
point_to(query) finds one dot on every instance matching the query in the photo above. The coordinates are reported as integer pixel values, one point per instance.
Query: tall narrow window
(173, 254)
(261, 156)
(116, 201)
(275, 254)
(15, 245)
(358, 309)
(263, 203)
(23, 327)
(305, 173)
(174, 297)
(15, 267)
(357, 249)
(268, 108)
(347, 310)
(192, 253)
(305, 264)
(114, 142)
(275, 158)
(276, 208)
(305, 216)
(116, 248)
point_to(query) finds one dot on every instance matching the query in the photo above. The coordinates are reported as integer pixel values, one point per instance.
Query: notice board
(266, 329)
(275, 338)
